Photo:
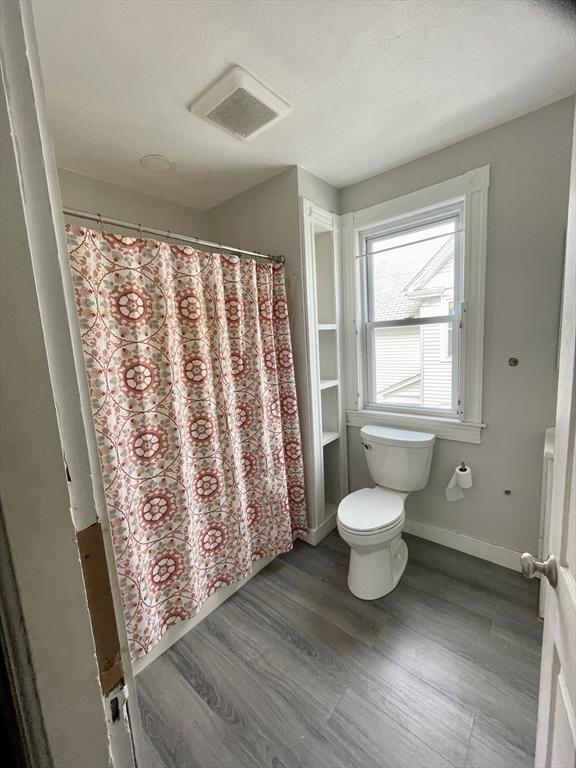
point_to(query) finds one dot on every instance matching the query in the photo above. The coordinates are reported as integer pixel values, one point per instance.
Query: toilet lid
(371, 509)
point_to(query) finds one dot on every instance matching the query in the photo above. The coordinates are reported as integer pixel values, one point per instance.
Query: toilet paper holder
(461, 478)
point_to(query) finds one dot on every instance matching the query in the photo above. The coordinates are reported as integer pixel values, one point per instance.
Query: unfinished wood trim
(101, 607)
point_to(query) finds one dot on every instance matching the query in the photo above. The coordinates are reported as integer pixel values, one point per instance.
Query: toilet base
(374, 571)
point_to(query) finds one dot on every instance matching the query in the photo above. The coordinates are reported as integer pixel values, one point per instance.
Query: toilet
(371, 520)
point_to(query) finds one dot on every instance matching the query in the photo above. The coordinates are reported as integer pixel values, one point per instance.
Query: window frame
(470, 189)
(447, 343)
(408, 223)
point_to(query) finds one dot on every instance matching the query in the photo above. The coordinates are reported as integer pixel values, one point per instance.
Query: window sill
(444, 428)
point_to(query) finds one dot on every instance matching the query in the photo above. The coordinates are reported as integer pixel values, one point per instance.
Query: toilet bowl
(371, 520)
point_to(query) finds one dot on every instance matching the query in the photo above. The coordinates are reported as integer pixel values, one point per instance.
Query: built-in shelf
(326, 463)
(329, 437)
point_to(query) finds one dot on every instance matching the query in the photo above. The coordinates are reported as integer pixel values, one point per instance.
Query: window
(414, 277)
(412, 284)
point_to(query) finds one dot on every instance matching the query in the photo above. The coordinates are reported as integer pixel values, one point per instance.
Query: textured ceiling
(373, 84)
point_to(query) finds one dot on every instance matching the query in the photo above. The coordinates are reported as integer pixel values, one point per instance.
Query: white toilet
(371, 519)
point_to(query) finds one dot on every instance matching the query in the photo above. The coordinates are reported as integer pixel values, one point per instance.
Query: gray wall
(318, 191)
(89, 194)
(529, 160)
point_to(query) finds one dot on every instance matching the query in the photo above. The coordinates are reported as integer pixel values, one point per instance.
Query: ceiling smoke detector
(156, 163)
(241, 105)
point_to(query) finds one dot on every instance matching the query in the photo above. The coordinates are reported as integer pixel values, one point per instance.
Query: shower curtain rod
(166, 234)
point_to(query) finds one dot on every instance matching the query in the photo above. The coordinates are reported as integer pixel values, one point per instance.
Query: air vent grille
(241, 105)
(242, 113)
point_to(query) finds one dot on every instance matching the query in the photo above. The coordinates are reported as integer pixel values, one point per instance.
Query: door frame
(42, 210)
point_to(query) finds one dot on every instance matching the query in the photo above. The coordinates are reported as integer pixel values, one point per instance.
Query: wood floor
(295, 671)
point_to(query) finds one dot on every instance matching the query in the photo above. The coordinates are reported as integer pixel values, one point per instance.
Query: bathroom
(388, 330)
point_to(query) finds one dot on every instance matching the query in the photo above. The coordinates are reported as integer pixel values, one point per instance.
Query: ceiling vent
(241, 105)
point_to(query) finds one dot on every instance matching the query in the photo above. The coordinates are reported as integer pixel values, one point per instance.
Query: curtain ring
(140, 230)
(100, 222)
(169, 235)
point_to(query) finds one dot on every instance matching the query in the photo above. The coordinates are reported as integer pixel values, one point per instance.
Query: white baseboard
(482, 549)
(179, 630)
(315, 535)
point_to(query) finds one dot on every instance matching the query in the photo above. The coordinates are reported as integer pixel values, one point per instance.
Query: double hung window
(412, 312)
(414, 282)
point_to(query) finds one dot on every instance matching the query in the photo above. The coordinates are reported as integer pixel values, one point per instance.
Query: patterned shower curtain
(189, 364)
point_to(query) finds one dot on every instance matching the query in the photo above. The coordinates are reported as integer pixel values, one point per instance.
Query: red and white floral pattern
(189, 364)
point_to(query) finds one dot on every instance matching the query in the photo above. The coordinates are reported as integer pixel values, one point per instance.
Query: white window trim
(472, 187)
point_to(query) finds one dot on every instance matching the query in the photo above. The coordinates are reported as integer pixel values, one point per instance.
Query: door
(556, 734)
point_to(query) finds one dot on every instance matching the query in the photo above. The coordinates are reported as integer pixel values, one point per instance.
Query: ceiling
(373, 84)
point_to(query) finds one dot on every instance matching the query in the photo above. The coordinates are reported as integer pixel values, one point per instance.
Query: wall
(36, 504)
(318, 191)
(529, 161)
(89, 194)
(527, 214)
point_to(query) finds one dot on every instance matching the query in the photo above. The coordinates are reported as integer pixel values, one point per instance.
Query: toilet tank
(398, 458)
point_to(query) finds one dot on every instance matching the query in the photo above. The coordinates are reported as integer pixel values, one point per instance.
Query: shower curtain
(189, 363)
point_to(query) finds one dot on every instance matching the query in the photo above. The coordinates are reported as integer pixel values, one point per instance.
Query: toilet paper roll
(461, 478)
(464, 477)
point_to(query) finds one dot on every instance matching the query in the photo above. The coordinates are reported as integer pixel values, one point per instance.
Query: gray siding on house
(436, 364)
(397, 359)
(406, 352)
(436, 370)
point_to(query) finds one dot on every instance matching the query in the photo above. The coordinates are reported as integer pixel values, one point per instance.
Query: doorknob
(548, 568)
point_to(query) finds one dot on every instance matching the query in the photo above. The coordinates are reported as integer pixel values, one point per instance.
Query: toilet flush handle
(368, 447)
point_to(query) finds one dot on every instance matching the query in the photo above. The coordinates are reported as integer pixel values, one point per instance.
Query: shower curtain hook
(101, 223)
(169, 236)
(140, 230)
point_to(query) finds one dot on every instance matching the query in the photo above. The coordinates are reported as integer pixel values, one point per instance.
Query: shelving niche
(327, 468)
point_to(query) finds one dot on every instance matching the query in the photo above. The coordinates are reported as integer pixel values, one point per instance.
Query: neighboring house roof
(423, 284)
(400, 277)
(399, 385)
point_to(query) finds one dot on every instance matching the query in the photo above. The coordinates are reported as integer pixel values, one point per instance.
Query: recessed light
(157, 163)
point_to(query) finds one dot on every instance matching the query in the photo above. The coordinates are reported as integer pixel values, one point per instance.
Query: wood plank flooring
(293, 670)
